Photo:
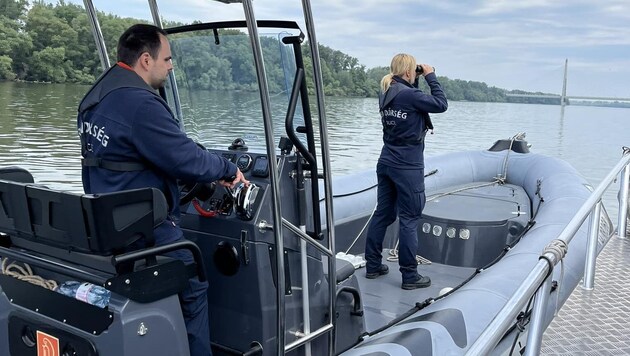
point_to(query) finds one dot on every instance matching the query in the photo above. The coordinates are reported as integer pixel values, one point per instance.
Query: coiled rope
(393, 256)
(559, 248)
(25, 274)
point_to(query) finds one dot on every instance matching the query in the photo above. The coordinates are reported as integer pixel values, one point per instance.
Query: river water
(38, 131)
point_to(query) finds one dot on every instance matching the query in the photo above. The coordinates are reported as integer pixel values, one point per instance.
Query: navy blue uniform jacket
(122, 119)
(405, 116)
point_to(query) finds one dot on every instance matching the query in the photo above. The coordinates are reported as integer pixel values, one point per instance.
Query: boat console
(234, 232)
(233, 247)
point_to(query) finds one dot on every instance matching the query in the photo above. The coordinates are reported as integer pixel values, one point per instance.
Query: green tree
(13, 9)
(6, 72)
(48, 30)
(46, 65)
(55, 43)
(15, 44)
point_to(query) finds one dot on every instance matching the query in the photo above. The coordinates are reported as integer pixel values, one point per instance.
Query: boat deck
(384, 299)
(596, 322)
(590, 323)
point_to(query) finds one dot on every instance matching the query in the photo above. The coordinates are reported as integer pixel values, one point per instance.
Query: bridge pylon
(563, 98)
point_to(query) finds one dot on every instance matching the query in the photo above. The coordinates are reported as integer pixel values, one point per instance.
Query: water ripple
(37, 130)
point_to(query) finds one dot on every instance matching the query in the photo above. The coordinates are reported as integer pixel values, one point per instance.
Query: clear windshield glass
(218, 90)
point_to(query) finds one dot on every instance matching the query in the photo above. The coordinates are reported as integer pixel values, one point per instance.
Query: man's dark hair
(138, 39)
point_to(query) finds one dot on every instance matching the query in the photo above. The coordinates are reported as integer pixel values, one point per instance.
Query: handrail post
(157, 20)
(537, 324)
(591, 249)
(493, 333)
(623, 202)
(274, 187)
(323, 138)
(97, 33)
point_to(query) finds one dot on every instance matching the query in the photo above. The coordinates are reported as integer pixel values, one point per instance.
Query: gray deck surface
(596, 322)
(592, 323)
(384, 299)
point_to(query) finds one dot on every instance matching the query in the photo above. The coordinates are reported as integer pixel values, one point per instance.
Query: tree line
(45, 42)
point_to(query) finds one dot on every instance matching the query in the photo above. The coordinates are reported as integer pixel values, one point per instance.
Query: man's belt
(112, 165)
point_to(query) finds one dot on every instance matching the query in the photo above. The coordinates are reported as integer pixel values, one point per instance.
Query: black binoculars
(419, 69)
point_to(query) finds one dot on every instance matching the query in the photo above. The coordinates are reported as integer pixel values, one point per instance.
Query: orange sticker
(47, 345)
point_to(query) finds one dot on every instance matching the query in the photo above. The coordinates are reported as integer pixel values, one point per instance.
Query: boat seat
(16, 174)
(100, 224)
(345, 270)
(67, 232)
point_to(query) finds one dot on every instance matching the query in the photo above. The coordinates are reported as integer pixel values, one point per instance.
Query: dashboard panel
(240, 202)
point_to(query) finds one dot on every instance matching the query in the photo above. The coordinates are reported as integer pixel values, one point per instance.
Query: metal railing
(537, 281)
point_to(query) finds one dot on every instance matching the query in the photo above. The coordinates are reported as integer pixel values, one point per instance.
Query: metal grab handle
(299, 87)
(288, 122)
(358, 310)
(160, 250)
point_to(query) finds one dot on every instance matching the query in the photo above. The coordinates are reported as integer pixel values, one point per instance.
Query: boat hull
(450, 325)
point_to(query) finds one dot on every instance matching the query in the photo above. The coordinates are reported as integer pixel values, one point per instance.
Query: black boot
(420, 282)
(381, 271)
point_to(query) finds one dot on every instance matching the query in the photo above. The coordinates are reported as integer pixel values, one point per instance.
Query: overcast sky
(511, 44)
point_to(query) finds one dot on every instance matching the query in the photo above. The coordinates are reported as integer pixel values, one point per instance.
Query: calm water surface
(37, 131)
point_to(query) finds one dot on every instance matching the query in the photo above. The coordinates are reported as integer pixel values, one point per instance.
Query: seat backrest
(100, 224)
(115, 220)
(16, 174)
(14, 219)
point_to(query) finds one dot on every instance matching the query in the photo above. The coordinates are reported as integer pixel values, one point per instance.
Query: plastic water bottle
(85, 292)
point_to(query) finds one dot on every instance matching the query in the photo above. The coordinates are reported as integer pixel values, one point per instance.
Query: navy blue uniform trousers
(400, 193)
(193, 299)
(194, 302)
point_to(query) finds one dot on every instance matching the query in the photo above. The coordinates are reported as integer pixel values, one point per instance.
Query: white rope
(518, 136)
(559, 248)
(433, 197)
(363, 229)
(393, 257)
(25, 274)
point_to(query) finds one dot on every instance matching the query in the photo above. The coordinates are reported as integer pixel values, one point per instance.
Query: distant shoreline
(622, 105)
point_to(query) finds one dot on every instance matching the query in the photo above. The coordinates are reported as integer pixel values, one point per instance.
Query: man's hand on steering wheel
(234, 180)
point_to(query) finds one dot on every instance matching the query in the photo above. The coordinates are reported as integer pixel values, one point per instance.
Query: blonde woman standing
(405, 117)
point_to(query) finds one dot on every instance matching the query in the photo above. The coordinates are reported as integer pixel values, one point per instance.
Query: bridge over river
(564, 98)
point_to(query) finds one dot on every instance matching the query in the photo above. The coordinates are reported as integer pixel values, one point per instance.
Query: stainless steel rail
(265, 101)
(330, 250)
(623, 208)
(323, 129)
(157, 20)
(269, 134)
(98, 34)
(491, 336)
(301, 234)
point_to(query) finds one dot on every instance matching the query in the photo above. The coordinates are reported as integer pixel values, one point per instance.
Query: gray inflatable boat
(489, 215)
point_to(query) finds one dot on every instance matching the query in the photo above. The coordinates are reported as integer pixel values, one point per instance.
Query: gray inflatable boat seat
(345, 270)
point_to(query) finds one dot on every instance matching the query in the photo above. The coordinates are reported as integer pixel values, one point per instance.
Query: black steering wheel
(201, 191)
(189, 191)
